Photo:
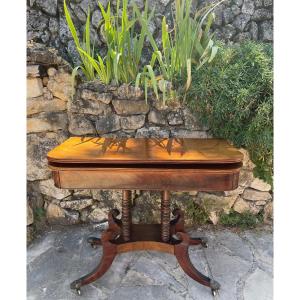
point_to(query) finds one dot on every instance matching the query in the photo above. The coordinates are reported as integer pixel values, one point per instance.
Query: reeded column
(126, 215)
(165, 216)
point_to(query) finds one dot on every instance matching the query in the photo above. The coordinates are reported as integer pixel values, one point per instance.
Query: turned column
(126, 215)
(165, 216)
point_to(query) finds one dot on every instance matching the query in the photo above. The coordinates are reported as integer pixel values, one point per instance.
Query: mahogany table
(146, 164)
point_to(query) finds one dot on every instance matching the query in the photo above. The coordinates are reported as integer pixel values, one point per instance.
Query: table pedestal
(123, 236)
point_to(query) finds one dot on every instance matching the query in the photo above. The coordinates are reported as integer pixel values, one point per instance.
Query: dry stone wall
(110, 111)
(236, 20)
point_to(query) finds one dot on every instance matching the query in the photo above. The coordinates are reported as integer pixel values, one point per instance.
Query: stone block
(78, 204)
(175, 118)
(91, 107)
(48, 188)
(29, 215)
(254, 195)
(34, 87)
(40, 104)
(266, 31)
(262, 14)
(61, 85)
(132, 122)
(130, 107)
(156, 117)
(241, 21)
(260, 185)
(33, 71)
(108, 123)
(248, 7)
(81, 125)
(92, 95)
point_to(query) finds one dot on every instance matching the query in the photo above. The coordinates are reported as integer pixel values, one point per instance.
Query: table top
(100, 150)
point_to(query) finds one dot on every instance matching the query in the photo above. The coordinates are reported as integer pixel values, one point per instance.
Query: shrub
(234, 96)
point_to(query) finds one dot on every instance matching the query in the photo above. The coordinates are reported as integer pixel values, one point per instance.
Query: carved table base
(169, 237)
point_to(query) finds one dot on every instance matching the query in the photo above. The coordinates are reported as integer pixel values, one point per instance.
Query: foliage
(234, 96)
(196, 213)
(39, 213)
(243, 220)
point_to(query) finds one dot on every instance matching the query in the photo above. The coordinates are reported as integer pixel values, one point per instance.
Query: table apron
(145, 179)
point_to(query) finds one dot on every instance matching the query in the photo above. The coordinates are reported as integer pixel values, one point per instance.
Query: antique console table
(146, 164)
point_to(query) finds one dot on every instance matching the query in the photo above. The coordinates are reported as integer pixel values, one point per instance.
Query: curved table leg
(109, 253)
(182, 255)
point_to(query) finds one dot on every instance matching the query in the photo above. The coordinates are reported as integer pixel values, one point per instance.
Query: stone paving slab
(241, 262)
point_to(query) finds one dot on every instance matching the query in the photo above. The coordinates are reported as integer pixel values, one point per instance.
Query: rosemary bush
(234, 96)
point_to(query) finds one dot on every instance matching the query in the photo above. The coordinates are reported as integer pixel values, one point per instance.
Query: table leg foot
(109, 253)
(182, 255)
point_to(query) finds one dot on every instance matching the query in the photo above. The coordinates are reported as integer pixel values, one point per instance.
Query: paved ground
(241, 263)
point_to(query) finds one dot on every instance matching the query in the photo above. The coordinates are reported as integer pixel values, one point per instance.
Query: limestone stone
(235, 10)
(238, 191)
(130, 107)
(47, 121)
(152, 132)
(260, 185)
(54, 212)
(48, 6)
(80, 125)
(268, 3)
(64, 32)
(258, 3)
(254, 195)
(238, 2)
(175, 118)
(76, 204)
(96, 18)
(128, 92)
(243, 36)
(61, 86)
(29, 215)
(214, 217)
(215, 203)
(98, 215)
(191, 122)
(132, 122)
(183, 133)
(51, 72)
(79, 13)
(248, 7)
(247, 163)
(40, 104)
(241, 21)
(53, 26)
(245, 178)
(268, 211)
(34, 87)
(262, 14)
(71, 217)
(48, 188)
(260, 203)
(92, 95)
(33, 71)
(45, 81)
(91, 107)
(108, 123)
(38, 145)
(253, 29)
(229, 31)
(241, 206)
(228, 15)
(267, 31)
(156, 117)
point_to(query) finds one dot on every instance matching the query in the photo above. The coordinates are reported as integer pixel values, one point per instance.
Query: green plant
(39, 213)
(196, 213)
(234, 96)
(188, 43)
(242, 220)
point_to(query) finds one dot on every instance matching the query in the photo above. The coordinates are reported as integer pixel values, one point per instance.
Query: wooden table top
(144, 151)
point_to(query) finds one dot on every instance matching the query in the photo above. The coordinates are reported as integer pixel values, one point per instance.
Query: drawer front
(173, 180)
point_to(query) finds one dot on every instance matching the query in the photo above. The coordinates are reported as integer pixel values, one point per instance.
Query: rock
(267, 31)
(51, 72)
(193, 193)
(29, 215)
(260, 185)
(253, 195)
(245, 178)
(241, 206)
(258, 3)
(53, 26)
(214, 217)
(260, 203)
(268, 3)
(38, 145)
(33, 71)
(238, 191)
(175, 118)
(91, 107)
(98, 215)
(96, 18)
(79, 13)
(45, 81)
(268, 211)
(164, 2)
(47, 121)
(129, 107)
(156, 117)
(262, 14)
(128, 92)
(48, 6)
(91, 95)
(229, 32)
(253, 29)
(36, 24)
(191, 122)
(108, 123)
(76, 204)
(80, 125)
(132, 122)
(218, 11)
(61, 85)
(241, 21)
(248, 7)
(235, 10)
(247, 163)
(71, 217)
(73, 53)
(64, 32)
(243, 36)
(152, 132)
(54, 212)
(34, 87)
(238, 2)
(37, 105)
(228, 15)
(183, 133)
(48, 188)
